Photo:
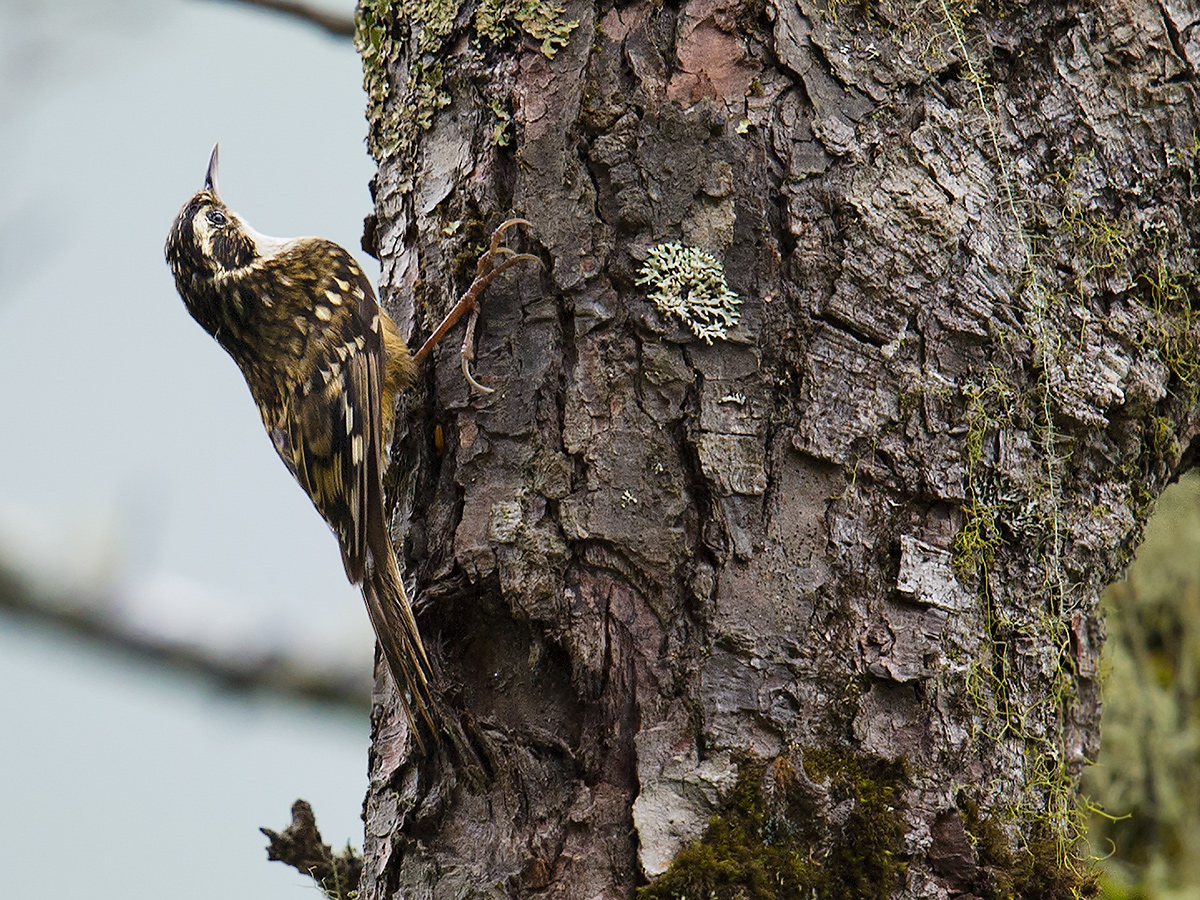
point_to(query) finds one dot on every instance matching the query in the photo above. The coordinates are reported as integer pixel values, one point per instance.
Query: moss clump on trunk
(831, 829)
(1044, 869)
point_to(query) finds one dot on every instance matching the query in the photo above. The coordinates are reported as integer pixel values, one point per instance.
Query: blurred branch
(301, 847)
(97, 619)
(334, 24)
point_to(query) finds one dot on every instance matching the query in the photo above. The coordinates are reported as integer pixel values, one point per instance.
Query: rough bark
(810, 609)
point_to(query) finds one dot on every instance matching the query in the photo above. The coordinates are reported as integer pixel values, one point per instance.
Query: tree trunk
(808, 609)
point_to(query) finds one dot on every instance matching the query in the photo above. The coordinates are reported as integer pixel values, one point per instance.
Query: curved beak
(210, 177)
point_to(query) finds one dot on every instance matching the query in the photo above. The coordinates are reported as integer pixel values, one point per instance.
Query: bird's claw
(498, 234)
(493, 263)
(467, 354)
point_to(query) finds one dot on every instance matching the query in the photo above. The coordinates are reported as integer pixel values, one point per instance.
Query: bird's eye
(216, 217)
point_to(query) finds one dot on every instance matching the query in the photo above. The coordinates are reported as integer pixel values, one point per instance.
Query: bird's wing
(329, 435)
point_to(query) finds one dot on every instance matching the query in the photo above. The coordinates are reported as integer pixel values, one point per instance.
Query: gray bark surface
(838, 572)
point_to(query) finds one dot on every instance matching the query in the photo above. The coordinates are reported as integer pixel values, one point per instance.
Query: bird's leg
(497, 259)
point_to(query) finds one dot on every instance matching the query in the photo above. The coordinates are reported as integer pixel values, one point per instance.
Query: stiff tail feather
(392, 618)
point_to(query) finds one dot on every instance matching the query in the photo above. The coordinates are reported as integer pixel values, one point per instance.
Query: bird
(324, 364)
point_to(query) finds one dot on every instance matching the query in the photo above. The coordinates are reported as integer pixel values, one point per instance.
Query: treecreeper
(324, 364)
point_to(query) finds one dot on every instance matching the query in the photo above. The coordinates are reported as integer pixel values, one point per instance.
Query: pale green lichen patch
(398, 114)
(542, 20)
(434, 20)
(691, 284)
(400, 110)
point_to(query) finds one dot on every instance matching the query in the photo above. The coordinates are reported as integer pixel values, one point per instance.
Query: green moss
(372, 38)
(425, 86)
(867, 861)
(1039, 870)
(1020, 506)
(973, 550)
(1162, 440)
(1099, 242)
(770, 842)
(433, 21)
(473, 245)
(990, 405)
(1174, 331)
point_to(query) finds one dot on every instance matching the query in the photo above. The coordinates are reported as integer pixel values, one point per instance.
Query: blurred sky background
(133, 464)
(134, 473)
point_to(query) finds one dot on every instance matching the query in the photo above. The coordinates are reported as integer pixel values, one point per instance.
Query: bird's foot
(495, 261)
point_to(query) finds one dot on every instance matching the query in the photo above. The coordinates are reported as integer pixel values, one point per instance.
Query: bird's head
(209, 240)
(210, 246)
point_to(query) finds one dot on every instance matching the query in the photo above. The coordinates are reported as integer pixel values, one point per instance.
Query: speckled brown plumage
(324, 364)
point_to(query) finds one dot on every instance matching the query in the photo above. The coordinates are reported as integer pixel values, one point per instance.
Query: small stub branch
(301, 847)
